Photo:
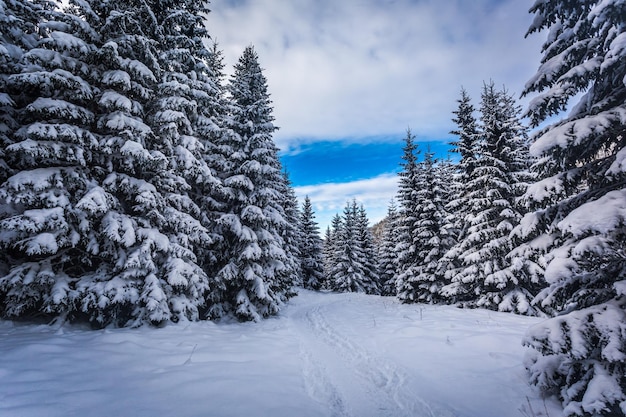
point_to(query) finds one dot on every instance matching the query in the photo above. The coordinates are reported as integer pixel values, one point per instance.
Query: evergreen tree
(254, 278)
(580, 354)
(311, 248)
(19, 20)
(147, 266)
(349, 271)
(482, 277)
(446, 173)
(467, 147)
(408, 188)
(387, 255)
(108, 96)
(47, 225)
(369, 256)
(331, 240)
(186, 98)
(292, 232)
(423, 281)
(523, 277)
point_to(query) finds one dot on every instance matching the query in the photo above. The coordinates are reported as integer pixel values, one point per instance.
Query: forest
(139, 185)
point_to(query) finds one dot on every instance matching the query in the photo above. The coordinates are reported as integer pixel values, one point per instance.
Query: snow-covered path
(341, 373)
(346, 355)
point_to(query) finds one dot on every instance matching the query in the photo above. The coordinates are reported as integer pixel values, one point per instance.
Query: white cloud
(370, 67)
(329, 199)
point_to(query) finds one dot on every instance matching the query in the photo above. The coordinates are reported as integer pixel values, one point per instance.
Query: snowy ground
(325, 355)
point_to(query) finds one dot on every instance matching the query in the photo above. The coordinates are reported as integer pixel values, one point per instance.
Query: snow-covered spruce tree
(213, 113)
(331, 240)
(254, 278)
(407, 191)
(423, 281)
(19, 20)
(466, 145)
(482, 278)
(446, 172)
(47, 227)
(311, 248)
(348, 272)
(387, 255)
(292, 231)
(524, 273)
(365, 242)
(144, 269)
(580, 355)
(187, 99)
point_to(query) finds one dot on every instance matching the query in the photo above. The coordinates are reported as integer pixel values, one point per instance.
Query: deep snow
(324, 355)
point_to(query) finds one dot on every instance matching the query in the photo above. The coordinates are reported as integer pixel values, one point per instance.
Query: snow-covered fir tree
(47, 225)
(254, 277)
(150, 275)
(292, 231)
(408, 187)
(350, 270)
(580, 355)
(481, 277)
(524, 273)
(365, 241)
(331, 239)
(466, 146)
(311, 248)
(387, 255)
(186, 99)
(19, 20)
(423, 280)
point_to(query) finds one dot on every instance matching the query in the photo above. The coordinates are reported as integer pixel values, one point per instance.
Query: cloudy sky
(348, 77)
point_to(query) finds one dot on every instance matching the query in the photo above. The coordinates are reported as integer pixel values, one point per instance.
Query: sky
(348, 78)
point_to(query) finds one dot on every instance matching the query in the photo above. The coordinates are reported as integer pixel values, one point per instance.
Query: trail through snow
(344, 355)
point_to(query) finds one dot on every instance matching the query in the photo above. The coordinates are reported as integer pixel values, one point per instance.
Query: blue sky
(347, 78)
(328, 161)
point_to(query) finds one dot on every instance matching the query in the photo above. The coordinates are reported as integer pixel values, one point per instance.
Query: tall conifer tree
(581, 353)
(255, 277)
(407, 191)
(311, 248)
(387, 255)
(423, 280)
(350, 270)
(47, 225)
(482, 277)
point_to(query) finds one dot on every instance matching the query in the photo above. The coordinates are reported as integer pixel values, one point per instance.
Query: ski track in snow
(358, 374)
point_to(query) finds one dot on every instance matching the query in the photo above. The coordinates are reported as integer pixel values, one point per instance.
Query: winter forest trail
(371, 356)
(344, 376)
(324, 355)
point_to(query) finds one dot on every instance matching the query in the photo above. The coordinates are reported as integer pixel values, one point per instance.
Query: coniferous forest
(141, 185)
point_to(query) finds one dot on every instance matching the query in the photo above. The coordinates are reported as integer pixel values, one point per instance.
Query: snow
(68, 42)
(323, 355)
(43, 243)
(117, 78)
(608, 211)
(113, 100)
(575, 132)
(60, 108)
